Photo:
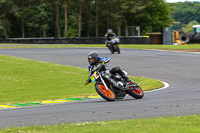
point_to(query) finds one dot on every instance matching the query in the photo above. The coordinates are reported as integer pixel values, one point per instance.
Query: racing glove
(88, 80)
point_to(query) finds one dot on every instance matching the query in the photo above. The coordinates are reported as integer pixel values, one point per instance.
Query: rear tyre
(107, 95)
(136, 92)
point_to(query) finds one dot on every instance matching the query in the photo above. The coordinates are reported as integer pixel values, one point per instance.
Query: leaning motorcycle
(112, 87)
(113, 45)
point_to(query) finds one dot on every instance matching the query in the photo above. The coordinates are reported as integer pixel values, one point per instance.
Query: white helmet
(109, 30)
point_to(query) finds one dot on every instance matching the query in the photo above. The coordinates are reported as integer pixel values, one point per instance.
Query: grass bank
(160, 47)
(176, 124)
(24, 80)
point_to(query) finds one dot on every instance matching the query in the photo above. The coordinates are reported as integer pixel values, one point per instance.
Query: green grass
(175, 124)
(161, 47)
(24, 80)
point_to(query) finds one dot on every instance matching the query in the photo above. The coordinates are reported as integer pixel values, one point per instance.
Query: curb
(45, 102)
(166, 85)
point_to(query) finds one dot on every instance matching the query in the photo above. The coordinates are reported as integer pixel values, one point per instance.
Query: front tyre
(107, 95)
(136, 92)
(118, 49)
(112, 48)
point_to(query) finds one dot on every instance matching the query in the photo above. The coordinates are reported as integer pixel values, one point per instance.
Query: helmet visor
(91, 60)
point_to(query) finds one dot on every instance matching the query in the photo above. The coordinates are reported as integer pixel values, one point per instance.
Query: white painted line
(172, 51)
(166, 85)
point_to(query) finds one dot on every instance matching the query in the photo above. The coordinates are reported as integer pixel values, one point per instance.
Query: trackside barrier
(82, 40)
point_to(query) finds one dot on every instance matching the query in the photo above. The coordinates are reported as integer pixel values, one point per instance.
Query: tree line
(187, 13)
(80, 18)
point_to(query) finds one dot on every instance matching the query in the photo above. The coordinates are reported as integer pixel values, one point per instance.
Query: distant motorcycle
(113, 45)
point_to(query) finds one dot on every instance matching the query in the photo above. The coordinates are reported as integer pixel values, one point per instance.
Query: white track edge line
(166, 85)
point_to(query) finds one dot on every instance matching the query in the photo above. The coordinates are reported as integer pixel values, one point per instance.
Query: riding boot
(128, 81)
(125, 78)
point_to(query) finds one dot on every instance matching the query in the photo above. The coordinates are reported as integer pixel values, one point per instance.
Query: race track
(180, 70)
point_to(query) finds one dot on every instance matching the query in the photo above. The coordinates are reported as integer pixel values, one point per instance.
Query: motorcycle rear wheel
(107, 95)
(136, 92)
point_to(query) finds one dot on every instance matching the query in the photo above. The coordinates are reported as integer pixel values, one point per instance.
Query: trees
(97, 18)
(19, 12)
(57, 18)
(6, 8)
(156, 15)
(39, 18)
(185, 12)
(66, 16)
(188, 28)
(44, 17)
(80, 18)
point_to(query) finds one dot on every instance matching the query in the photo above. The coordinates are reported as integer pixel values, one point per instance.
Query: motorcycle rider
(95, 61)
(109, 36)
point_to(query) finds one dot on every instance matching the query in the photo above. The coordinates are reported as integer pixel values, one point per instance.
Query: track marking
(73, 99)
(171, 51)
(63, 101)
(94, 96)
(49, 101)
(7, 106)
(55, 101)
(45, 102)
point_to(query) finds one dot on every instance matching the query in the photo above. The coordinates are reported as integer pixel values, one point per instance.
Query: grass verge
(161, 47)
(24, 80)
(175, 124)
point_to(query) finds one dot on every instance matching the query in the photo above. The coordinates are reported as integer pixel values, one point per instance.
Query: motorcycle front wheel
(112, 49)
(118, 49)
(105, 94)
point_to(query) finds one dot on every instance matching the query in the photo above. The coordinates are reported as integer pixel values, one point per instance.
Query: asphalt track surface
(180, 70)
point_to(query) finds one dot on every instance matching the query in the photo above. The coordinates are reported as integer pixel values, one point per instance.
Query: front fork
(103, 82)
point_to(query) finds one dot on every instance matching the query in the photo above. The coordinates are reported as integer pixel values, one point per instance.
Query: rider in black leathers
(109, 36)
(95, 61)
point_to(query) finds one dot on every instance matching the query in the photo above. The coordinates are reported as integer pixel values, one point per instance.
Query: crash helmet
(93, 57)
(109, 30)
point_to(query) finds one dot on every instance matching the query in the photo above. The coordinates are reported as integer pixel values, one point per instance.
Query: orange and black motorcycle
(112, 87)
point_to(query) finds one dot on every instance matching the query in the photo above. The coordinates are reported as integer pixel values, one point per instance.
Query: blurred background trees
(89, 18)
(187, 13)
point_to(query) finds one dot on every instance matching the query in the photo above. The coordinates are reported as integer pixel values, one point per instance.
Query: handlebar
(102, 63)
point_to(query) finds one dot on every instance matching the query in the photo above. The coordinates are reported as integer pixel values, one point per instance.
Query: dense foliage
(187, 13)
(80, 18)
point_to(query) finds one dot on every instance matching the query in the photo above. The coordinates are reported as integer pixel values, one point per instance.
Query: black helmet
(93, 55)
